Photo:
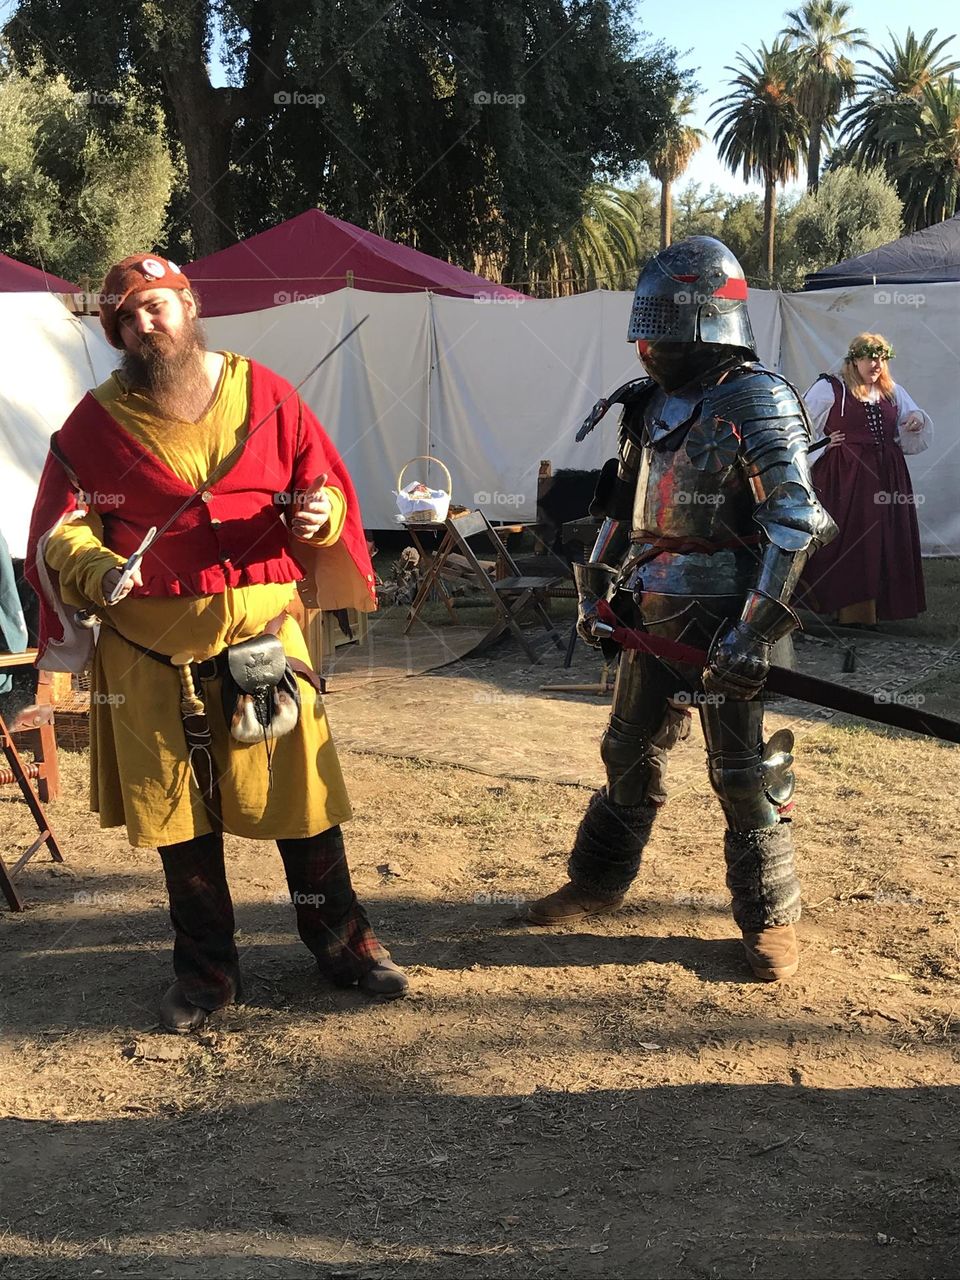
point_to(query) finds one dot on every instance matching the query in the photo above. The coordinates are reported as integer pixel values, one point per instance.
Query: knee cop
(755, 787)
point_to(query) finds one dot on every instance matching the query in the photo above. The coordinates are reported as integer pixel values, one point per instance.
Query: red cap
(135, 274)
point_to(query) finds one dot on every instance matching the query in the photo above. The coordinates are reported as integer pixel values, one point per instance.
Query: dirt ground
(612, 1100)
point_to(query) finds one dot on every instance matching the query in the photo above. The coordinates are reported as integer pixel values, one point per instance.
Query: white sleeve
(819, 401)
(912, 441)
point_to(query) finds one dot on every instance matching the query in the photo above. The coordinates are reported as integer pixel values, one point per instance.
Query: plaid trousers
(330, 919)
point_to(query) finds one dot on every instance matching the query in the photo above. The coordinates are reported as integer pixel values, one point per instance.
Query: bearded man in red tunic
(205, 623)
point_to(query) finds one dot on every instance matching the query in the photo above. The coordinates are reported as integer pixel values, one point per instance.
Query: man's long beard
(172, 370)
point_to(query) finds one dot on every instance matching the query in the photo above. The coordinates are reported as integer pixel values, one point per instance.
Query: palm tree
(600, 251)
(927, 154)
(762, 131)
(893, 91)
(826, 77)
(677, 145)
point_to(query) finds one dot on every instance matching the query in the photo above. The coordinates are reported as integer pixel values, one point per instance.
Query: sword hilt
(191, 704)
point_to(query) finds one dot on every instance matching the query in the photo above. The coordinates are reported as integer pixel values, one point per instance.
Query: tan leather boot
(568, 905)
(773, 952)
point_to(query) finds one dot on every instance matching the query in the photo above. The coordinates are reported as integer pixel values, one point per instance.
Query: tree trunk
(666, 214)
(205, 120)
(813, 156)
(769, 224)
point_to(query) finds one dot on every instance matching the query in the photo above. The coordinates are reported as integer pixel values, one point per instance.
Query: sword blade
(793, 684)
(225, 463)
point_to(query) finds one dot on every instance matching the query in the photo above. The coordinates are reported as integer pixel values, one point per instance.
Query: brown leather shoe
(568, 905)
(178, 1015)
(773, 953)
(385, 981)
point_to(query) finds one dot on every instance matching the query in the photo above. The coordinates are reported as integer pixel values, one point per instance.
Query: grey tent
(924, 257)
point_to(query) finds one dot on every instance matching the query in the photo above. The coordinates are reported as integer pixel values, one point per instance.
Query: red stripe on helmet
(734, 288)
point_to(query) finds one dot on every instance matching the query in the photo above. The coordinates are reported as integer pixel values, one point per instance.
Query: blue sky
(708, 35)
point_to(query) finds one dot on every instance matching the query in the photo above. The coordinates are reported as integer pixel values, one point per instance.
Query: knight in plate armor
(709, 516)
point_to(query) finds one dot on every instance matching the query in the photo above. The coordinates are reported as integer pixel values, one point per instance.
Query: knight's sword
(793, 684)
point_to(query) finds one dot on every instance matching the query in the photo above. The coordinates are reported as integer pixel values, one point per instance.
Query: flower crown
(880, 350)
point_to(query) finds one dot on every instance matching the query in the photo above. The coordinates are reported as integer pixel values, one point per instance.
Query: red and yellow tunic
(223, 573)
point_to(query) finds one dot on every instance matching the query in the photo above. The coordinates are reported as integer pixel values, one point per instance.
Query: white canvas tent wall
(48, 359)
(490, 387)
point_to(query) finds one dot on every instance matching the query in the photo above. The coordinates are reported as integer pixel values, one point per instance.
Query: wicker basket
(433, 511)
(72, 715)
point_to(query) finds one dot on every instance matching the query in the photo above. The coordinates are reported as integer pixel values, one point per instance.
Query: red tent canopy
(17, 277)
(314, 254)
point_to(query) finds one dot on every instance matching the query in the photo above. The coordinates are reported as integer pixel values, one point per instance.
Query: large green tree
(604, 249)
(762, 131)
(926, 158)
(906, 121)
(822, 42)
(852, 212)
(82, 182)
(456, 125)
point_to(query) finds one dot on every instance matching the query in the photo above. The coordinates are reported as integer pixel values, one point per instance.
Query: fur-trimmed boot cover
(761, 877)
(766, 898)
(609, 843)
(603, 864)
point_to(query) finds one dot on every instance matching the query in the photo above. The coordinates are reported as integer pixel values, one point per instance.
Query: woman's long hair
(848, 370)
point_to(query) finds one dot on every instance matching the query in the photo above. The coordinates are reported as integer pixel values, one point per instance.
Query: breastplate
(690, 484)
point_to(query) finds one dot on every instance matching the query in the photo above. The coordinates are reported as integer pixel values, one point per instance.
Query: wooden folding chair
(36, 721)
(509, 595)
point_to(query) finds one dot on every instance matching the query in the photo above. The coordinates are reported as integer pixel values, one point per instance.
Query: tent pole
(431, 360)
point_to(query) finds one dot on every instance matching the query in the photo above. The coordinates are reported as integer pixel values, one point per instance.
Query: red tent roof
(17, 277)
(312, 254)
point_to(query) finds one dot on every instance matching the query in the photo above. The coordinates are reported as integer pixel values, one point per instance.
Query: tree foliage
(853, 212)
(675, 147)
(617, 232)
(82, 182)
(762, 131)
(906, 120)
(822, 41)
(456, 125)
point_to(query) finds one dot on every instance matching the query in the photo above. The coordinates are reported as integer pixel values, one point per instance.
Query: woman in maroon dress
(872, 569)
